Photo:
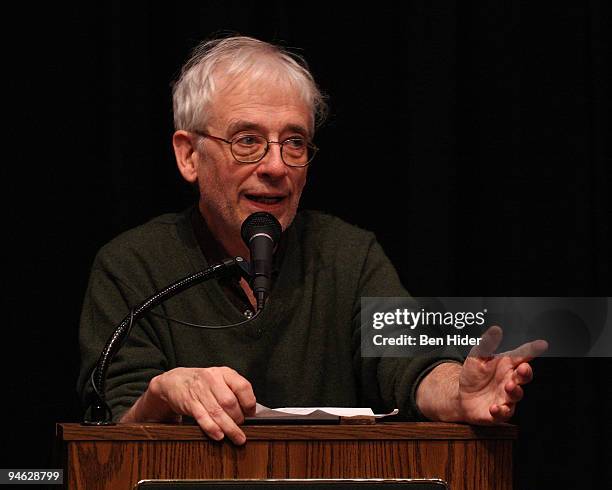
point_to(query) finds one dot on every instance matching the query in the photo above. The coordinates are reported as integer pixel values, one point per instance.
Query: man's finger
(489, 342)
(523, 374)
(225, 423)
(212, 401)
(243, 391)
(207, 424)
(526, 352)
(501, 412)
(213, 419)
(514, 392)
(224, 397)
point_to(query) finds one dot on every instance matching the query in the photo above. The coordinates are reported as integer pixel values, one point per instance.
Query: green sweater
(304, 348)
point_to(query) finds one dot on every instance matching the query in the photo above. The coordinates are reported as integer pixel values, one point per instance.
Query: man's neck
(231, 243)
(233, 247)
(214, 251)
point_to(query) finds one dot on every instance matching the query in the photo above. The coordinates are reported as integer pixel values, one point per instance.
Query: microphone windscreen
(260, 222)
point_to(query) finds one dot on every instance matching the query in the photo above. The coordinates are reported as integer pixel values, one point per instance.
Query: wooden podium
(117, 457)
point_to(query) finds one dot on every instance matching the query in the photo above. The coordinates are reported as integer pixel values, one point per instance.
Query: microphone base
(98, 423)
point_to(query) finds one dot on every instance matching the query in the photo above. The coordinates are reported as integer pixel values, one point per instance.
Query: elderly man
(245, 113)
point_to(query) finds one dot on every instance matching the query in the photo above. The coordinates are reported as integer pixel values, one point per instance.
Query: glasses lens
(296, 152)
(249, 148)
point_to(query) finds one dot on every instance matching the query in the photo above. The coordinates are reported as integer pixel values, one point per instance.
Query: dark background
(474, 140)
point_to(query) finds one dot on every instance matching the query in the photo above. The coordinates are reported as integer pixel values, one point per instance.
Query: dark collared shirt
(214, 252)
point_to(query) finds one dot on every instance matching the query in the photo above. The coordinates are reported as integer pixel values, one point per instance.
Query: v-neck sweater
(302, 350)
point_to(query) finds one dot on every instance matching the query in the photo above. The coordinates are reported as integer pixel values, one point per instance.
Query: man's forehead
(262, 108)
(249, 84)
(265, 90)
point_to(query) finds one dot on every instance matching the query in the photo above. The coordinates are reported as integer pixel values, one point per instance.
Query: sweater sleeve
(108, 300)
(389, 382)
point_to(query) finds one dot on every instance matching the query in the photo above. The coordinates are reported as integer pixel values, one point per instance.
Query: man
(245, 113)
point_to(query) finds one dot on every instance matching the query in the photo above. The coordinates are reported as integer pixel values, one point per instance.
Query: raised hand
(485, 388)
(490, 385)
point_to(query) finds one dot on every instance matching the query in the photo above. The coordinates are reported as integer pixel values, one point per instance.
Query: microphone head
(260, 222)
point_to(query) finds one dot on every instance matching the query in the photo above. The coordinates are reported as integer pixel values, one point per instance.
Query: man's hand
(485, 389)
(490, 385)
(218, 398)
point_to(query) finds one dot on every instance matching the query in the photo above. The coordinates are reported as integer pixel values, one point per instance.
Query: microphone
(261, 232)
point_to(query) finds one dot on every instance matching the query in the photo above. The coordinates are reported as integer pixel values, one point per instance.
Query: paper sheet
(340, 411)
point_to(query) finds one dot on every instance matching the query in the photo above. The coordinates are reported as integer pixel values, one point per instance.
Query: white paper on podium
(340, 411)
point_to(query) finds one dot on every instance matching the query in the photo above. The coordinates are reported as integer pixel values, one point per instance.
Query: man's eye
(295, 143)
(247, 140)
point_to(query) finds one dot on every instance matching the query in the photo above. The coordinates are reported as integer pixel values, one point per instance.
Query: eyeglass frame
(310, 146)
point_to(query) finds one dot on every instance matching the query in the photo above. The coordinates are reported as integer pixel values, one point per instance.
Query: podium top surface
(379, 431)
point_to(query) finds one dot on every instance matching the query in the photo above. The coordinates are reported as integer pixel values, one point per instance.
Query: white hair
(239, 58)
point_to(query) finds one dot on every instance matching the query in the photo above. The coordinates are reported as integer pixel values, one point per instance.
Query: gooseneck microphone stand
(100, 413)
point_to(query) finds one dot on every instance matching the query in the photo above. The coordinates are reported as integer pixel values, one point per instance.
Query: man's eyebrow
(241, 125)
(296, 128)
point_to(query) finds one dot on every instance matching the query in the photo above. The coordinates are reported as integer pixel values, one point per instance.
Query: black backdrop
(474, 140)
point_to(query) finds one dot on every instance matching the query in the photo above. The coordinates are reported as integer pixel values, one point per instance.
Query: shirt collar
(214, 252)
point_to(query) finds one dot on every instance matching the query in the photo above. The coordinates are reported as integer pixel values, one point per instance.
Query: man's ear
(186, 154)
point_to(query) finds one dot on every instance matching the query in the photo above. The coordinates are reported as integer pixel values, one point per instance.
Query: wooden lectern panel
(357, 484)
(119, 456)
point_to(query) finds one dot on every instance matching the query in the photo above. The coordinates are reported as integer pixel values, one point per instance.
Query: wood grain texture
(396, 430)
(464, 462)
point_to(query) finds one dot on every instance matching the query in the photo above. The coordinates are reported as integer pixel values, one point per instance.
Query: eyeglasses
(251, 148)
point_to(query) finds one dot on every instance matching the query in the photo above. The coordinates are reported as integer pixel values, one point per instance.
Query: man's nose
(272, 165)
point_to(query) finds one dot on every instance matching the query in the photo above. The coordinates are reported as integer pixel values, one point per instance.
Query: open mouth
(270, 200)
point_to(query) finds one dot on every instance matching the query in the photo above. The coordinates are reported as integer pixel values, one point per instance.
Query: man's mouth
(264, 199)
